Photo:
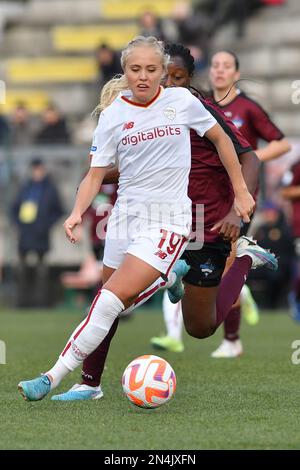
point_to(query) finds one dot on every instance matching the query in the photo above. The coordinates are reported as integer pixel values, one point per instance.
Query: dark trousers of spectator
(32, 281)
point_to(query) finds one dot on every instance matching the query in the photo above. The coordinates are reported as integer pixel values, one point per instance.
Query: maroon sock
(231, 286)
(93, 365)
(232, 324)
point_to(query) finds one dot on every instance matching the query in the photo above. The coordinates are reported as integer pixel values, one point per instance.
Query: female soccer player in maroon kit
(255, 124)
(209, 185)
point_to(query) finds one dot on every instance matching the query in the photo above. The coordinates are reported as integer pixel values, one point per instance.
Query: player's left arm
(291, 193)
(229, 226)
(273, 149)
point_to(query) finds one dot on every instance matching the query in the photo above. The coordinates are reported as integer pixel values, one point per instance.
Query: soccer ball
(149, 381)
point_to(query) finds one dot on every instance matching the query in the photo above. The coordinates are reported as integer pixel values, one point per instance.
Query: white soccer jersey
(151, 146)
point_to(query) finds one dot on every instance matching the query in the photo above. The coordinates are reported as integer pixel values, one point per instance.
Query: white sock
(88, 335)
(172, 317)
(57, 373)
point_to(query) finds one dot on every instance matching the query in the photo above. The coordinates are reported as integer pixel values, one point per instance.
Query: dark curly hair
(180, 51)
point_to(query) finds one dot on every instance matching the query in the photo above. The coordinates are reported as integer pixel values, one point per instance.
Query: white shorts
(158, 246)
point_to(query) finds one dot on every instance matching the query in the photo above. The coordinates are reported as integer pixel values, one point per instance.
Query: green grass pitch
(247, 403)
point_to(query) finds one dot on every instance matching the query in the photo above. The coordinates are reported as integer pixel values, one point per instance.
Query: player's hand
(70, 224)
(244, 205)
(228, 227)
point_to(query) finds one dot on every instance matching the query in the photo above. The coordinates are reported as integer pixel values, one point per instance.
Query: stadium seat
(35, 100)
(118, 9)
(87, 38)
(61, 69)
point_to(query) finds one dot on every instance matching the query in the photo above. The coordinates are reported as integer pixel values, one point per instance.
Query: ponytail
(110, 91)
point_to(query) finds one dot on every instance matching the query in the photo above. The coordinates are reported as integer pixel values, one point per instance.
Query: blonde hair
(143, 41)
(110, 91)
(119, 83)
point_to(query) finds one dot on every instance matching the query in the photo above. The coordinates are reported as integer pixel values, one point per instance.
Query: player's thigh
(107, 273)
(151, 254)
(201, 286)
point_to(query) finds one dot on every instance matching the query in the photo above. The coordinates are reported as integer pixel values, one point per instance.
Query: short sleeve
(199, 118)
(104, 149)
(263, 125)
(240, 143)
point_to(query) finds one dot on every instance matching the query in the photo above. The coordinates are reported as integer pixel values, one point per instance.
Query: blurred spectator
(22, 126)
(274, 234)
(108, 62)
(5, 131)
(150, 25)
(193, 28)
(291, 192)
(36, 208)
(238, 11)
(84, 129)
(54, 129)
(82, 285)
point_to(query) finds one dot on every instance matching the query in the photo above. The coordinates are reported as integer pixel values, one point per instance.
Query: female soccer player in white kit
(146, 130)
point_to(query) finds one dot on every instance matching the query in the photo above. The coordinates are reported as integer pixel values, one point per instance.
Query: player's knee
(127, 297)
(200, 331)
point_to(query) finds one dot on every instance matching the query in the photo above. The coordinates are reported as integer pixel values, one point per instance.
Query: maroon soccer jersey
(296, 202)
(209, 183)
(106, 196)
(252, 121)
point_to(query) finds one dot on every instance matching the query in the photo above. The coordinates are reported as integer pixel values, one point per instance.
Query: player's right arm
(103, 153)
(244, 203)
(87, 191)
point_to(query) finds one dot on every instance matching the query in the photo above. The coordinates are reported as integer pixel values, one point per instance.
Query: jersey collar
(145, 105)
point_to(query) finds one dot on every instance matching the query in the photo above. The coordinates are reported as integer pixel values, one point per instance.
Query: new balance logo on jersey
(161, 254)
(157, 132)
(128, 125)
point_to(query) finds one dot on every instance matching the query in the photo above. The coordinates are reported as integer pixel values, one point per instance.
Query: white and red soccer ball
(149, 381)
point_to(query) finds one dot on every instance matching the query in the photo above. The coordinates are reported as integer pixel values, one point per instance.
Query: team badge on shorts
(207, 268)
(170, 112)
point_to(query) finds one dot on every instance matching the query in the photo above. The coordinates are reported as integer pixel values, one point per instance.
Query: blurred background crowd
(55, 57)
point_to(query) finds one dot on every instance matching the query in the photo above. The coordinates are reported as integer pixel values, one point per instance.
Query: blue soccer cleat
(260, 256)
(176, 292)
(36, 389)
(80, 392)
